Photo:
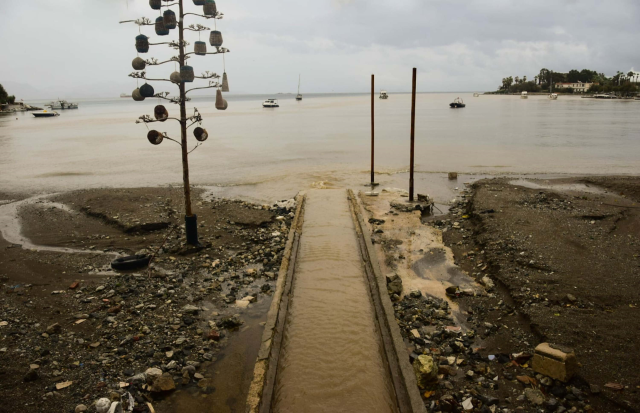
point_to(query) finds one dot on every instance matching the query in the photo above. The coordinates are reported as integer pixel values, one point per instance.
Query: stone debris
(552, 361)
(152, 333)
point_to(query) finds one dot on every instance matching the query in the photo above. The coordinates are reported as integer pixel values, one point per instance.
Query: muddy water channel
(331, 358)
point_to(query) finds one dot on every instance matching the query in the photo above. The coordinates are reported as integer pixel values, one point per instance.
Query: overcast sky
(76, 48)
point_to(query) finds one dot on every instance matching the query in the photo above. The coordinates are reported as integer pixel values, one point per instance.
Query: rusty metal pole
(372, 124)
(413, 125)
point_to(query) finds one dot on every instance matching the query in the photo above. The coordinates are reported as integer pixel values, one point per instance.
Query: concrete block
(554, 361)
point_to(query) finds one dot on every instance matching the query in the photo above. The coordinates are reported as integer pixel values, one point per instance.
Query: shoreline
(101, 340)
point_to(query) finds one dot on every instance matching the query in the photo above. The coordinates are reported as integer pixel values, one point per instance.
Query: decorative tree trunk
(185, 121)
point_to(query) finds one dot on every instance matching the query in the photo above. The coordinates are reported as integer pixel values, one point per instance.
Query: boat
(298, 96)
(605, 96)
(270, 103)
(62, 104)
(475, 95)
(45, 114)
(457, 103)
(553, 96)
(124, 95)
(383, 94)
(524, 95)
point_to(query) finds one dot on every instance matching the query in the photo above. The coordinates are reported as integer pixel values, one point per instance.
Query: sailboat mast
(298, 84)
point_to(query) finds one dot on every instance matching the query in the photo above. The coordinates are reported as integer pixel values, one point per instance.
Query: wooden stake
(413, 124)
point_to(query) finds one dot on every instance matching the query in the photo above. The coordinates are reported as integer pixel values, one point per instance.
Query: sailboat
(298, 96)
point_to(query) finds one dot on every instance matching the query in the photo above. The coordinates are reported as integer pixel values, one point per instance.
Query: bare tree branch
(196, 28)
(143, 21)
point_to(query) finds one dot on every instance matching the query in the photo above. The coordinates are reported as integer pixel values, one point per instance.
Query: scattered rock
(426, 371)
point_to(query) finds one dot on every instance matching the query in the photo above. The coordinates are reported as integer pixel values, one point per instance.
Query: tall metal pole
(191, 225)
(372, 125)
(413, 124)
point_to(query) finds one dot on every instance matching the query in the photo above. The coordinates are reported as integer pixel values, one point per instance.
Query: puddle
(415, 252)
(572, 187)
(11, 227)
(230, 374)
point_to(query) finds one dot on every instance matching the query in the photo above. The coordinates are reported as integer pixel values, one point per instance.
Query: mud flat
(180, 337)
(513, 265)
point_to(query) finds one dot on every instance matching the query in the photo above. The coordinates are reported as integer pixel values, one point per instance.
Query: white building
(577, 87)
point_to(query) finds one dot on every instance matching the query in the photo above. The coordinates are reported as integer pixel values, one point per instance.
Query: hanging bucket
(161, 113)
(155, 137)
(138, 63)
(200, 134)
(169, 19)
(137, 96)
(161, 30)
(146, 90)
(210, 8)
(221, 104)
(155, 4)
(200, 48)
(225, 82)
(142, 43)
(215, 39)
(199, 2)
(186, 74)
(175, 77)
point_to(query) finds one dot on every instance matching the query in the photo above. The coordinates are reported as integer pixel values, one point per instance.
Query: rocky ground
(77, 336)
(555, 264)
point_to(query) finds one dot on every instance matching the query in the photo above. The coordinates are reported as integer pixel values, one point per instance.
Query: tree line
(620, 83)
(5, 98)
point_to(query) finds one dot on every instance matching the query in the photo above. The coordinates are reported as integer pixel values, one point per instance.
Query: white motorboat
(62, 104)
(270, 103)
(524, 95)
(125, 95)
(553, 96)
(475, 95)
(383, 94)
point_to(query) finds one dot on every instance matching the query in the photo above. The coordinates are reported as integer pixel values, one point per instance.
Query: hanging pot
(138, 63)
(200, 134)
(199, 2)
(200, 48)
(146, 90)
(161, 113)
(225, 82)
(210, 8)
(142, 43)
(215, 39)
(161, 30)
(169, 19)
(221, 104)
(155, 137)
(155, 4)
(137, 96)
(175, 77)
(186, 74)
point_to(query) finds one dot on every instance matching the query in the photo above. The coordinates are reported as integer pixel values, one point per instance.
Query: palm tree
(524, 79)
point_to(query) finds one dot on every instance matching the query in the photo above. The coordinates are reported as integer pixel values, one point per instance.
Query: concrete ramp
(331, 343)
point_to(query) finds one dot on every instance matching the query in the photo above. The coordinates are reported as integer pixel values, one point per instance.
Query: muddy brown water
(331, 359)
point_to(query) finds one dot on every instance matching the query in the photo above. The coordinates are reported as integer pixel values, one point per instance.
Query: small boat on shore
(524, 95)
(270, 103)
(125, 95)
(553, 96)
(457, 103)
(383, 94)
(62, 104)
(45, 114)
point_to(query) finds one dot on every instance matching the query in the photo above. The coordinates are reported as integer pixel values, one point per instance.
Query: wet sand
(331, 358)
